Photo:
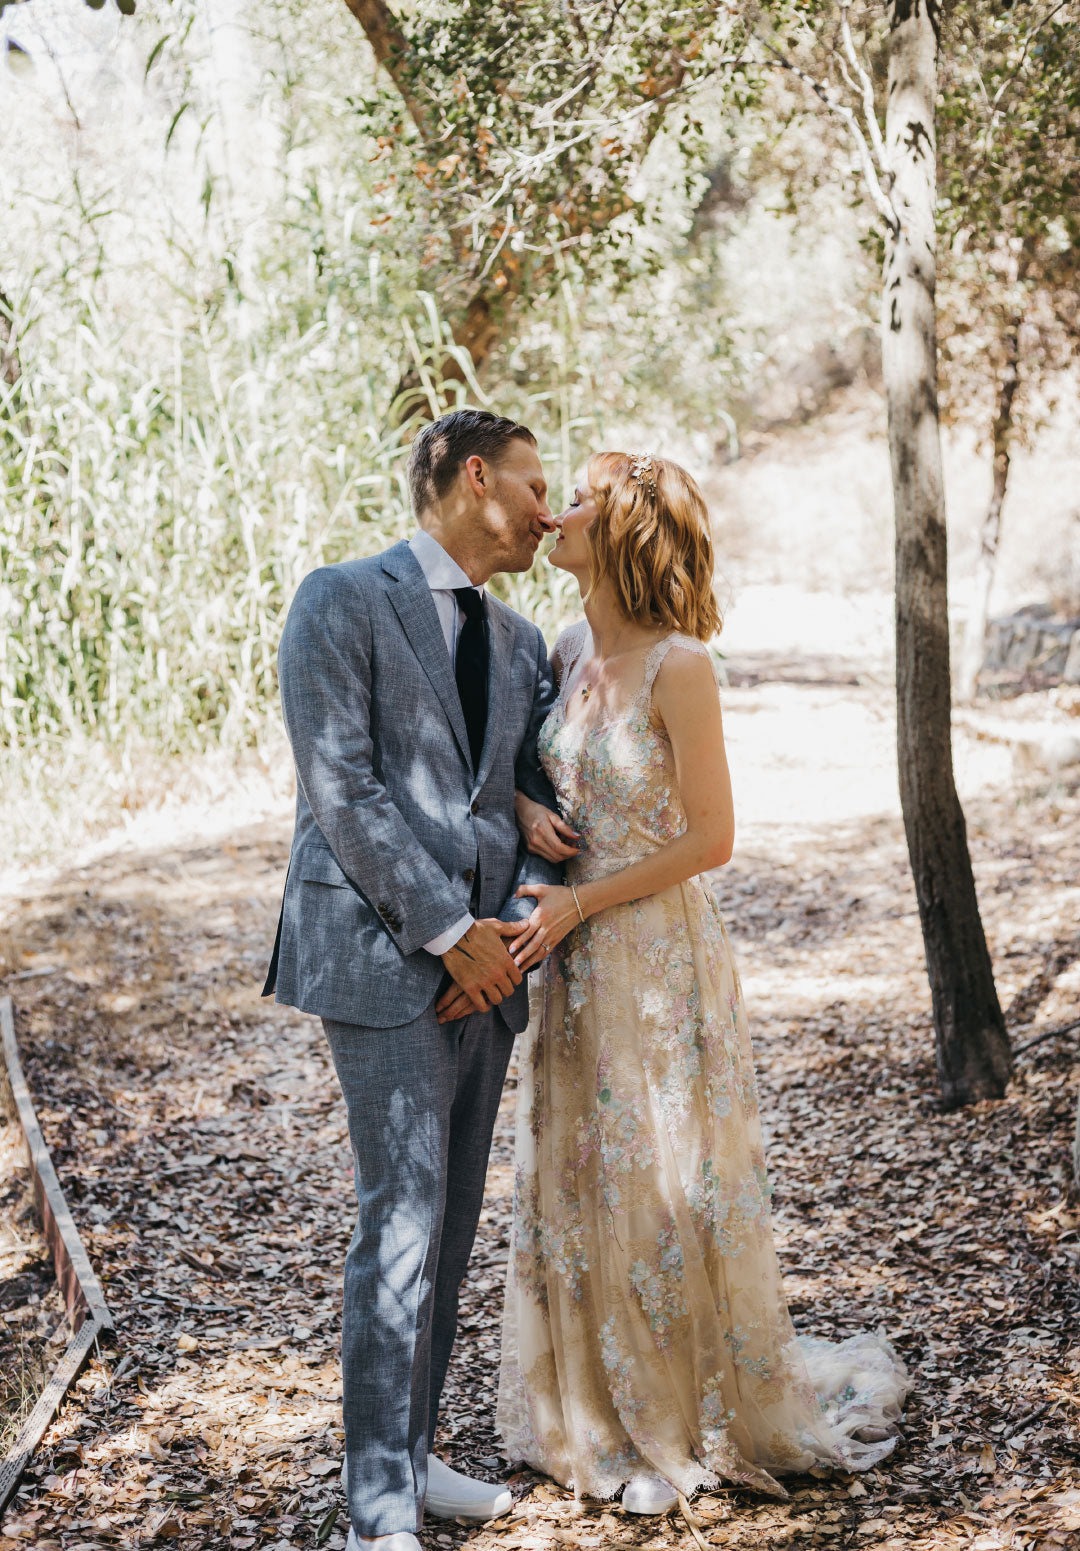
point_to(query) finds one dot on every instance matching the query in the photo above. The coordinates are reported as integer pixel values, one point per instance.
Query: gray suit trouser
(422, 1100)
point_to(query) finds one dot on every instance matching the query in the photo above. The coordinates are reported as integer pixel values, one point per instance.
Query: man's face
(514, 513)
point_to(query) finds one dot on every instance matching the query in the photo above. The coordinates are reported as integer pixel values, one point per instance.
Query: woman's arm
(686, 701)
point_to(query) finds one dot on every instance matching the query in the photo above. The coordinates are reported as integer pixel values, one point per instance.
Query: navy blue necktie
(471, 668)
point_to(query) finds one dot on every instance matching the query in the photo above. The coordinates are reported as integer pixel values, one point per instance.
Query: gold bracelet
(577, 902)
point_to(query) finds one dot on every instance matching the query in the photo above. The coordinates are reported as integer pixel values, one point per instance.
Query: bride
(647, 1343)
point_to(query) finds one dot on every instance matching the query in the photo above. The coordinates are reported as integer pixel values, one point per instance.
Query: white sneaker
(450, 1495)
(649, 1494)
(401, 1541)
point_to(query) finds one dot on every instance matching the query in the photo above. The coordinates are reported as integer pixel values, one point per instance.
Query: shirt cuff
(446, 940)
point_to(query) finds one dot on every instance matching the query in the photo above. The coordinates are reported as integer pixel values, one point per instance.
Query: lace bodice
(613, 773)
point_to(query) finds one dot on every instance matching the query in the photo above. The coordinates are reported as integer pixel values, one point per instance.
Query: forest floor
(200, 1138)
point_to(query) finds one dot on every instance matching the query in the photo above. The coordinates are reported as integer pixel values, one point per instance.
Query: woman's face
(570, 551)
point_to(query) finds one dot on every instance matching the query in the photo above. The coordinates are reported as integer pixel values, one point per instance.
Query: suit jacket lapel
(500, 651)
(413, 604)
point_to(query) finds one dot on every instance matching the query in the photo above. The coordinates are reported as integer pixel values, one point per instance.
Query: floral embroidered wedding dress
(646, 1329)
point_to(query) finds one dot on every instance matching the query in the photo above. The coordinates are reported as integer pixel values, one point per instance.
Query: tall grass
(153, 529)
(155, 520)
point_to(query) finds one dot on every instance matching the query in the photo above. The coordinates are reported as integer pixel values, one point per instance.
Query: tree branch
(531, 165)
(1028, 41)
(883, 204)
(391, 49)
(867, 88)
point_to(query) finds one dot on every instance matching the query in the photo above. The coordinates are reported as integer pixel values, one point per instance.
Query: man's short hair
(442, 447)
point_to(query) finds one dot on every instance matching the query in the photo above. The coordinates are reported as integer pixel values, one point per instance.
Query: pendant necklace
(587, 689)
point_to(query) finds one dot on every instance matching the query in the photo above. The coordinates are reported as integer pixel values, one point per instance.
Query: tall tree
(898, 162)
(974, 1059)
(540, 116)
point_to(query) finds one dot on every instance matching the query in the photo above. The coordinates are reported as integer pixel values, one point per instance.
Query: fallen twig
(694, 1526)
(1038, 1039)
(1032, 1418)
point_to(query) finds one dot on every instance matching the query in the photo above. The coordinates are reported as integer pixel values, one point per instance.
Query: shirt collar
(441, 570)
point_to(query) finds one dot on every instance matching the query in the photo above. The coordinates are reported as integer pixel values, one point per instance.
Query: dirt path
(201, 1140)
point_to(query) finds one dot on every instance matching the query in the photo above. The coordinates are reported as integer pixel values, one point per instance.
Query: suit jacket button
(475, 808)
(468, 875)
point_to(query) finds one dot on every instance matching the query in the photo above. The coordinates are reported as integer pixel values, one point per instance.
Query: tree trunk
(477, 331)
(391, 49)
(973, 1056)
(990, 533)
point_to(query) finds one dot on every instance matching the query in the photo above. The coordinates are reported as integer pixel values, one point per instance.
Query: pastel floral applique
(645, 1322)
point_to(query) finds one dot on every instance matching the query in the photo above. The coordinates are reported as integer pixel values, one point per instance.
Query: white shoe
(450, 1495)
(402, 1541)
(649, 1494)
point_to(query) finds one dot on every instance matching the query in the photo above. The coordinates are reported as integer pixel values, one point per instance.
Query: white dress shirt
(443, 574)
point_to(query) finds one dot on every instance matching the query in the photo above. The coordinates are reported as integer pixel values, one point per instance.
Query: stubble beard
(521, 559)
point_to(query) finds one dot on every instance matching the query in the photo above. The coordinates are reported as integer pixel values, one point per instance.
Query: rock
(1052, 749)
(1032, 645)
(1035, 747)
(1071, 671)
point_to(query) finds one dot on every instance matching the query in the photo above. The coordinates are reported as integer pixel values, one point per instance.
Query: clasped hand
(546, 834)
(482, 970)
(490, 960)
(554, 916)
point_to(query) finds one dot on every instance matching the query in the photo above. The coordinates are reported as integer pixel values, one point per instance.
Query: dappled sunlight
(245, 252)
(202, 1140)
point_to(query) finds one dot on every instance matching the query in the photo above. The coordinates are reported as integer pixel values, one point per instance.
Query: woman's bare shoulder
(686, 663)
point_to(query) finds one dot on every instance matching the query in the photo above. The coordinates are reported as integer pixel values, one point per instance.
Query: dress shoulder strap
(657, 654)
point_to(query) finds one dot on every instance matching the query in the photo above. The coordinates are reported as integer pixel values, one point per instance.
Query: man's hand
(481, 968)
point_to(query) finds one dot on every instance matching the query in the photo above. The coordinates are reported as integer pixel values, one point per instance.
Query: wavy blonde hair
(651, 539)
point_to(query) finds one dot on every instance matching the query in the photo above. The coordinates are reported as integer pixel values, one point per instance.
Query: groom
(412, 701)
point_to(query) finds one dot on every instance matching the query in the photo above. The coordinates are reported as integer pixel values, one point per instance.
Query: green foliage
(154, 528)
(1009, 214)
(214, 314)
(209, 350)
(125, 7)
(203, 400)
(521, 129)
(1009, 124)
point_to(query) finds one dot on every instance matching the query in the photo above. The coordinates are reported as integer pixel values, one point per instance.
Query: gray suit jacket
(393, 825)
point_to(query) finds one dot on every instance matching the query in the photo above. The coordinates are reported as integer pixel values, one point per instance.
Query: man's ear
(476, 472)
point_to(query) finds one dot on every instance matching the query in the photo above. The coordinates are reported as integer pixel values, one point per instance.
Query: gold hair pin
(641, 469)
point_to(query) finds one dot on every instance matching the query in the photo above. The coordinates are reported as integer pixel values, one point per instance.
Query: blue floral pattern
(646, 1325)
